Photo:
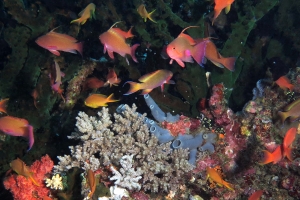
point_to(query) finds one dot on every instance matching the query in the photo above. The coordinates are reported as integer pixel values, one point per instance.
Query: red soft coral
(23, 188)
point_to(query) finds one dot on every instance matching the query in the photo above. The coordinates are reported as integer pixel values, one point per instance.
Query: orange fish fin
(34, 181)
(111, 54)
(228, 62)
(3, 104)
(216, 14)
(76, 21)
(133, 87)
(129, 33)
(267, 158)
(110, 98)
(79, 47)
(180, 62)
(55, 52)
(228, 185)
(288, 153)
(115, 24)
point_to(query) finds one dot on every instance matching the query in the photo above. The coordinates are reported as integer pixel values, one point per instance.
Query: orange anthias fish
(212, 54)
(92, 182)
(287, 142)
(256, 195)
(144, 13)
(17, 127)
(85, 14)
(21, 169)
(292, 111)
(220, 5)
(151, 81)
(114, 41)
(184, 48)
(282, 150)
(55, 79)
(284, 83)
(98, 100)
(93, 83)
(55, 42)
(213, 175)
(112, 78)
(3, 104)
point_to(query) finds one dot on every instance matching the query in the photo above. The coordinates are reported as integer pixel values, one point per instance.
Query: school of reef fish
(203, 100)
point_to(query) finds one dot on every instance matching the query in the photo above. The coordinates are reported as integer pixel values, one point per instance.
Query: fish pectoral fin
(72, 51)
(55, 52)
(227, 9)
(180, 63)
(111, 54)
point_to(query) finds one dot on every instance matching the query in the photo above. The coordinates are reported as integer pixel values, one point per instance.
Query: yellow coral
(55, 182)
(245, 131)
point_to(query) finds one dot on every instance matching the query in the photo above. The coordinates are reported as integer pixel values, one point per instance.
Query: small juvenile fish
(112, 78)
(17, 127)
(184, 49)
(92, 182)
(20, 168)
(85, 14)
(93, 83)
(144, 13)
(292, 111)
(219, 6)
(99, 100)
(55, 42)
(151, 81)
(3, 104)
(213, 175)
(284, 83)
(55, 79)
(256, 195)
(113, 40)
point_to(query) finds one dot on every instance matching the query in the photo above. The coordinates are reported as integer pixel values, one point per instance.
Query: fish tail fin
(78, 21)
(150, 16)
(111, 98)
(34, 181)
(288, 153)
(228, 185)
(228, 63)
(198, 52)
(133, 87)
(79, 47)
(132, 52)
(3, 105)
(283, 115)
(268, 157)
(30, 136)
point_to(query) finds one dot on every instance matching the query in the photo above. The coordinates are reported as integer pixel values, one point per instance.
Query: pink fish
(112, 78)
(55, 42)
(55, 79)
(151, 81)
(114, 41)
(17, 127)
(184, 49)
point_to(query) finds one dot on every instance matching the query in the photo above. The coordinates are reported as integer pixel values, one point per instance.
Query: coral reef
(23, 188)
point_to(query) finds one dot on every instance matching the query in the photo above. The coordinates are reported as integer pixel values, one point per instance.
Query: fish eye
(173, 47)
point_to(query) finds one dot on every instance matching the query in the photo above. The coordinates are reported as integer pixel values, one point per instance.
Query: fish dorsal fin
(188, 38)
(115, 24)
(188, 28)
(54, 29)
